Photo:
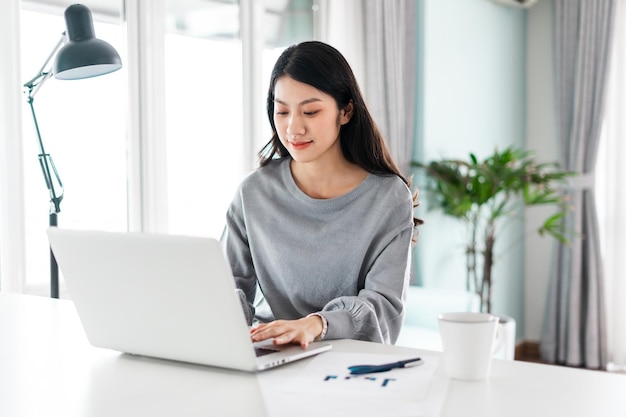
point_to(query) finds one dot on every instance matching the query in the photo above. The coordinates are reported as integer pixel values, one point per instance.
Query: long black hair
(325, 68)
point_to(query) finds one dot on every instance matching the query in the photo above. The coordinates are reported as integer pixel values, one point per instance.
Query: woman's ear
(346, 113)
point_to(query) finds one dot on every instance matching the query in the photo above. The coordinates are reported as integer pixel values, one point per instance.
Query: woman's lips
(300, 145)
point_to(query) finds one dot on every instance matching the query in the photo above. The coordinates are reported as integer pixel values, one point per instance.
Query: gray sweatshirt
(347, 258)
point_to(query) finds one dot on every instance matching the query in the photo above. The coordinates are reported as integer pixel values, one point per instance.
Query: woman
(325, 225)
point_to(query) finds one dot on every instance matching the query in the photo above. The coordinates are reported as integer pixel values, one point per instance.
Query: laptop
(163, 296)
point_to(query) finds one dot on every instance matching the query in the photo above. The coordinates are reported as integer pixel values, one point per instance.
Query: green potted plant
(484, 193)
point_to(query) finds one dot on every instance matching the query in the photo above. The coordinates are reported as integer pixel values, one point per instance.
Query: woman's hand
(302, 331)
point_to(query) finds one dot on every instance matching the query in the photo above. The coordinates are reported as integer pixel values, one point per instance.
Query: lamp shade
(83, 56)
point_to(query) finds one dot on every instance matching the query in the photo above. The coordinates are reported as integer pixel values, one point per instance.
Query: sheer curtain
(575, 325)
(391, 62)
(378, 38)
(611, 198)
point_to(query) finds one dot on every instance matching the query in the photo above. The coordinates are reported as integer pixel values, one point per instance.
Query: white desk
(47, 368)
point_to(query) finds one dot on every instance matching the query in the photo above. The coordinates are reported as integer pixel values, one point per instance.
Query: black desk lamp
(80, 55)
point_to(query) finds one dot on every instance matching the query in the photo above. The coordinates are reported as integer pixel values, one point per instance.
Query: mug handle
(499, 338)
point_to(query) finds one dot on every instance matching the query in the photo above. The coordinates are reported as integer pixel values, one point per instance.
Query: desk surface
(47, 368)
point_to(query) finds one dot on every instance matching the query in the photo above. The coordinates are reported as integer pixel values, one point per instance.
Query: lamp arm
(47, 167)
(35, 83)
(45, 160)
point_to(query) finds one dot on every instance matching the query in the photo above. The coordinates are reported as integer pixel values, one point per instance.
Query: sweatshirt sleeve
(239, 257)
(377, 312)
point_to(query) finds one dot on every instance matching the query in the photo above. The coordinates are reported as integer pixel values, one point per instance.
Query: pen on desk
(367, 369)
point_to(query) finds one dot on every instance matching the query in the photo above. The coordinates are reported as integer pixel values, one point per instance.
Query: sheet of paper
(326, 388)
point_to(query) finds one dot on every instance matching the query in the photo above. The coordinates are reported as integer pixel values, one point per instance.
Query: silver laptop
(164, 296)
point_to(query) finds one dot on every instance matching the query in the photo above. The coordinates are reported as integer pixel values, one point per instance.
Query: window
(207, 153)
(203, 57)
(218, 55)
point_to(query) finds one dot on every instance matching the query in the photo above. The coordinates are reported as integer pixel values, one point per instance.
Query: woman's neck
(324, 180)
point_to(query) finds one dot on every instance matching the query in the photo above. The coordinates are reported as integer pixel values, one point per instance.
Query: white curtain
(611, 198)
(341, 26)
(378, 38)
(12, 221)
(391, 62)
(574, 331)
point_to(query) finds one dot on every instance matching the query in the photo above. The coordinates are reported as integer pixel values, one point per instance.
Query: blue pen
(368, 369)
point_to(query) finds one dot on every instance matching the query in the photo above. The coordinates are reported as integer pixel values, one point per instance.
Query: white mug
(469, 341)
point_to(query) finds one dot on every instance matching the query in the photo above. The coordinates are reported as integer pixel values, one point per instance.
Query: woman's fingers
(284, 331)
(265, 331)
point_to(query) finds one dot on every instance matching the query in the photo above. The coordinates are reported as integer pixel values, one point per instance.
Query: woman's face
(307, 120)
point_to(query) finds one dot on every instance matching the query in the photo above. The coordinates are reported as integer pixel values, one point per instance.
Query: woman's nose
(295, 126)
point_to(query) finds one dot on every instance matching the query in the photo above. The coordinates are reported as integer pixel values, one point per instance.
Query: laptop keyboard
(264, 351)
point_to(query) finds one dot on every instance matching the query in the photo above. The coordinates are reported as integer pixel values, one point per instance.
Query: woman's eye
(281, 113)
(311, 113)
